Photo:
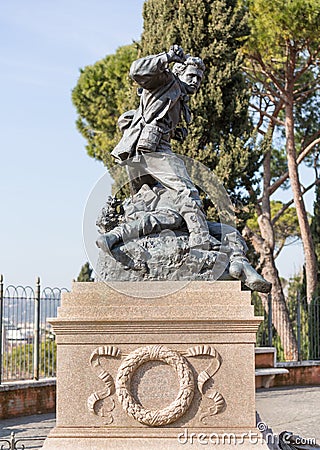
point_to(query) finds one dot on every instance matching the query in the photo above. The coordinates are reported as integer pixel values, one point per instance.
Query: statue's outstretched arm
(152, 71)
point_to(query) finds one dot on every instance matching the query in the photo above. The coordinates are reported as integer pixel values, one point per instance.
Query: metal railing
(14, 443)
(27, 342)
(296, 340)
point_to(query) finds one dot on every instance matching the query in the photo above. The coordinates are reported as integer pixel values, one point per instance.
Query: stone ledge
(270, 371)
(157, 292)
(102, 326)
(265, 350)
(97, 332)
(26, 384)
(298, 363)
(304, 373)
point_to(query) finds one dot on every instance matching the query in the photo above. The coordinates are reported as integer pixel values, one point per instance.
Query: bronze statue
(145, 145)
(163, 195)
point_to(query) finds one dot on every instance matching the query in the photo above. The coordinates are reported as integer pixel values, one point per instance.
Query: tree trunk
(306, 237)
(280, 314)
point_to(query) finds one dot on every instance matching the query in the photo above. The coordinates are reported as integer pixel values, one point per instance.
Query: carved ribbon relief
(101, 398)
(130, 363)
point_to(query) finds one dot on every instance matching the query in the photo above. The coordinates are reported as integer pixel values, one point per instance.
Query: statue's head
(190, 73)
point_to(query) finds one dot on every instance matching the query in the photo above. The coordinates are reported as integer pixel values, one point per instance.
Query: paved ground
(294, 409)
(27, 427)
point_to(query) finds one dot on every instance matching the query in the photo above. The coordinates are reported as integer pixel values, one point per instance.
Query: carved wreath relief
(130, 363)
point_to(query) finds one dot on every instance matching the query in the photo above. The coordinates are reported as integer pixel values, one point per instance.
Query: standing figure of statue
(145, 146)
(163, 197)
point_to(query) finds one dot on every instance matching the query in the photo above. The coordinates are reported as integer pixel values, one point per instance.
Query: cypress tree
(314, 307)
(315, 228)
(219, 136)
(85, 273)
(213, 30)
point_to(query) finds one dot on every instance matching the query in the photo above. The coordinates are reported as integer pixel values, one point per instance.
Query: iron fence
(28, 347)
(27, 341)
(293, 328)
(14, 443)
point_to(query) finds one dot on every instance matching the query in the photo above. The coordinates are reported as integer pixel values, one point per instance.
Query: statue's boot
(198, 230)
(241, 269)
(107, 241)
(128, 231)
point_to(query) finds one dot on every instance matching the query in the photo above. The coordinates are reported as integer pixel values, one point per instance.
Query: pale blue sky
(46, 176)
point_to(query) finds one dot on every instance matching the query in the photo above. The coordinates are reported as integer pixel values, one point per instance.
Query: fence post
(270, 332)
(1, 324)
(36, 331)
(299, 325)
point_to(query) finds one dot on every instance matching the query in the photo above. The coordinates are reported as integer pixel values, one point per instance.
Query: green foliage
(19, 362)
(315, 223)
(285, 33)
(297, 306)
(315, 231)
(314, 328)
(282, 64)
(85, 273)
(103, 92)
(279, 165)
(307, 113)
(218, 136)
(286, 227)
(274, 22)
(263, 330)
(305, 318)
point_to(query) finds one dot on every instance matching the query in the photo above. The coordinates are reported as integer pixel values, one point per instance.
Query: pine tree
(85, 273)
(213, 30)
(103, 92)
(282, 57)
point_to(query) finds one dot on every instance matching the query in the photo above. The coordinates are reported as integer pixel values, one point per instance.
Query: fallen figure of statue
(146, 238)
(162, 232)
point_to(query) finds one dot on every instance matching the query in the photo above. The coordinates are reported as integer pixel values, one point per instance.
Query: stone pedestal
(165, 372)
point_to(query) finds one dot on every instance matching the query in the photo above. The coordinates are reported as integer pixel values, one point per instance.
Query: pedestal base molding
(166, 371)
